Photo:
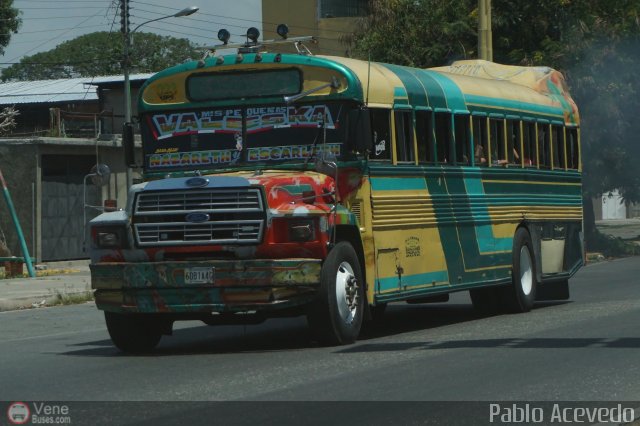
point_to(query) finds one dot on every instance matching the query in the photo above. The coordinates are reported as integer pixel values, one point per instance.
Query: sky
(47, 23)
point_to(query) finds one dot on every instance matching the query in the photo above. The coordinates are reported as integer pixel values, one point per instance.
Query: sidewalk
(69, 282)
(627, 229)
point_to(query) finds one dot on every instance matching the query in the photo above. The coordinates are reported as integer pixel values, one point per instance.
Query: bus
(287, 184)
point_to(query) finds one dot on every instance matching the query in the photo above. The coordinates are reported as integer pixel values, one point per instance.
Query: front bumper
(239, 285)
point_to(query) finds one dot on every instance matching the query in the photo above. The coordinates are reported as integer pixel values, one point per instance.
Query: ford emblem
(197, 182)
(197, 217)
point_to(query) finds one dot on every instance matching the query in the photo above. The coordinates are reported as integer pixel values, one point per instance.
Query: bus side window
(424, 133)
(404, 136)
(380, 125)
(463, 140)
(558, 147)
(513, 142)
(544, 145)
(498, 153)
(573, 157)
(480, 141)
(529, 145)
(443, 137)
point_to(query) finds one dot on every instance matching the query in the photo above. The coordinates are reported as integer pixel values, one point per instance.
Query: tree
(100, 53)
(415, 33)
(595, 43)
(9, 22)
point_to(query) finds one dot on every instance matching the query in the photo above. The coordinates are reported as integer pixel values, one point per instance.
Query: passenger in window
(516, 159)
(516, 156)
(480, 158)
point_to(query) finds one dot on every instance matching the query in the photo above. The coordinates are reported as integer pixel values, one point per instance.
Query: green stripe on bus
(395, 184)
(392, 283)
(486, 104)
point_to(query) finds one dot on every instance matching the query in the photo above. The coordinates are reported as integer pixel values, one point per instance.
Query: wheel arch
(535, 233)
(351, 234)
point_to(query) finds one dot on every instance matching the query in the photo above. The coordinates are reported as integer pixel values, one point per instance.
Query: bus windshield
(229, 137)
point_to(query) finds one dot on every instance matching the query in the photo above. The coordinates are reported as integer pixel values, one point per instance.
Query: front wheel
(522, 293)
(133, 333)
(335, 317)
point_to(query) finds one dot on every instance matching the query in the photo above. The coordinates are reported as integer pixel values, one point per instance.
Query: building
(70, 107)
(329, 21)
(65, 128)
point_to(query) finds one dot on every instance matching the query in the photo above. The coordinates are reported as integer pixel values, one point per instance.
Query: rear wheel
(336, 316)
(519, 297)
(133, 333)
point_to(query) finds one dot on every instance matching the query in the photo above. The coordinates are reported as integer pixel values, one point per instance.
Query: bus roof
(465, 87)
(468, 87)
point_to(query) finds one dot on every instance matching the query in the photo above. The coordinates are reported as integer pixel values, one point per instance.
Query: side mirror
(128, 144)
(360, 138)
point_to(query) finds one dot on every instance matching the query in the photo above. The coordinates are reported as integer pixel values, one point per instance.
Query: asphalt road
(582, 350)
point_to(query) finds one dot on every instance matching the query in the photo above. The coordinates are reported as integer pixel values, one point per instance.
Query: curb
(34, 302)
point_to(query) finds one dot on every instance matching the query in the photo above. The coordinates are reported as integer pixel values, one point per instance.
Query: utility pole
(485, 39)
(124, 29)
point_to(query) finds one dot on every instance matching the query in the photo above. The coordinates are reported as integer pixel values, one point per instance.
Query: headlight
(109, 237)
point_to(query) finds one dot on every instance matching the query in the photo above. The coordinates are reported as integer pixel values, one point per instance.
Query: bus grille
(198, 217)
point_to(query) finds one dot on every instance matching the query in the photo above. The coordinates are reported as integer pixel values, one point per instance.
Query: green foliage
(9, 22)
(415, 33)
(101, 53)
(611, 246)
(595, 43)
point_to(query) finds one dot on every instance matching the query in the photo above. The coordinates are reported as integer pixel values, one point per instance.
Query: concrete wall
(19, 168)
(21, 164)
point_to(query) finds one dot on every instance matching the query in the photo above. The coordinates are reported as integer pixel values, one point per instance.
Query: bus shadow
(292, 334)
(402, 318)
(510, 343)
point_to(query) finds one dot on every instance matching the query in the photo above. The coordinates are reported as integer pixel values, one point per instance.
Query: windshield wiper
(335, 84)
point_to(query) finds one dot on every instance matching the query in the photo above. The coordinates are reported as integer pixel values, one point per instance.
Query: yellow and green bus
(283, 184)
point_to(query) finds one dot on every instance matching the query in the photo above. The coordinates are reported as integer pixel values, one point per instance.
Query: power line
(66, 32)
(56, 29)
(237, 19)
(66, 1)
(51, 17)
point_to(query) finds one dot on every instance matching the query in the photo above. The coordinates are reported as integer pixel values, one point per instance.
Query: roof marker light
(224, 36)
(252, 34)
(282, 30)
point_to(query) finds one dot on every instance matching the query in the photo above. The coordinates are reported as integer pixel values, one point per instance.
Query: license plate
(199, 275)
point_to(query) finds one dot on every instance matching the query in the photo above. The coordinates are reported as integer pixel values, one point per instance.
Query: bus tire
(519, 296)
(335, 318)
(132, 333)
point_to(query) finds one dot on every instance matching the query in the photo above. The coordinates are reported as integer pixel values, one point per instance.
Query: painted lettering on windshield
(196, 158)
(230, 120)
(292, 152)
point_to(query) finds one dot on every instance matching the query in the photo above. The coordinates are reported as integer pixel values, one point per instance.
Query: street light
(125, 65)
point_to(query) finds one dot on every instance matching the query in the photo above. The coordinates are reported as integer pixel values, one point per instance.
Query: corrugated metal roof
(62, 90)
